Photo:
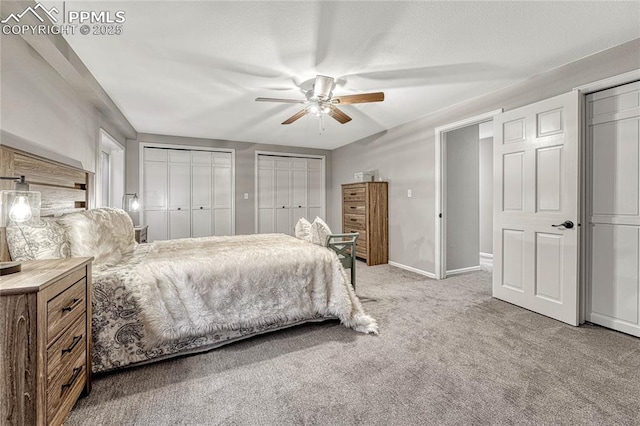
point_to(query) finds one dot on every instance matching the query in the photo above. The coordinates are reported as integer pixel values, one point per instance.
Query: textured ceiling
(195, 68)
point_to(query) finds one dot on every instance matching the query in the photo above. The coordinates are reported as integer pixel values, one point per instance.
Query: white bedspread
(196, 286)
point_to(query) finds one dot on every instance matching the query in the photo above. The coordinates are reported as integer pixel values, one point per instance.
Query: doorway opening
(464, 195)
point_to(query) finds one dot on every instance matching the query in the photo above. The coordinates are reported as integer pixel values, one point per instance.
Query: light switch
(246, 195)
(409, 193)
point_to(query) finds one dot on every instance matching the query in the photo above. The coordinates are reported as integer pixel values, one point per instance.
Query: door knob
(566, 224)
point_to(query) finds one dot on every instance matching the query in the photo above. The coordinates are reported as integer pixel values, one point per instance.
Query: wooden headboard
(62, 188)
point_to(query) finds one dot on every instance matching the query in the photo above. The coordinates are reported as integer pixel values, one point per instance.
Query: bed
(158, 300)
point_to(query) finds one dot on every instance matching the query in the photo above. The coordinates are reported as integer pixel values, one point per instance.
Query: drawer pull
(76, 373)
(76, 340)
(354, 220)
(354, 193)
(353, 208)
(72, 305)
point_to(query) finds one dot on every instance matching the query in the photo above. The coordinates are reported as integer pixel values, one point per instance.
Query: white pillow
(105, 233)
(319, 232)
(44, 240)
(303, 230)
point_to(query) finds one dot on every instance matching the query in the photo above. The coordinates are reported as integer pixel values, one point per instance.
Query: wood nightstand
(141, 233)
(45, 362)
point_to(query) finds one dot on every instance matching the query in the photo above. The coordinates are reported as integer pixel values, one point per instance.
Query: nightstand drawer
(66, 347)
(65, 387)
(65, 308)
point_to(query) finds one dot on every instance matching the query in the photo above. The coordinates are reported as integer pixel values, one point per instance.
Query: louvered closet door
(179, 194)
(201, 191)
(156, 193)
(222, 193)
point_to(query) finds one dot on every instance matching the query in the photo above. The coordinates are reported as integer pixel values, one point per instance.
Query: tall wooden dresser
(45, 327)
(365, 210)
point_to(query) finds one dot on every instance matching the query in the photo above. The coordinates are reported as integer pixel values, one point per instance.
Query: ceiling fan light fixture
(322, 87)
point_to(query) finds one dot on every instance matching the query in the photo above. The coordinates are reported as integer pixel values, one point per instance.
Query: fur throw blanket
(196, 286)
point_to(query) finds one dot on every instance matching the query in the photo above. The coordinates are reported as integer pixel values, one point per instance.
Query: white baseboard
(463, 270)
(486, 261)
(412, 269)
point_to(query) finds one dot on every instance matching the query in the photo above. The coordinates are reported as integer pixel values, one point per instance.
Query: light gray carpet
(447, 353)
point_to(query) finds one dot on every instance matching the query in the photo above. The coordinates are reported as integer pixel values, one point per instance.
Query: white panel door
(179, 185)
(179, 194)
(179, 224)
(222, 193)
(201, 175)
(298, 192)
(315, 186)
(283, 195)
(158, 225)
(266, 195)
(201, 223)
(613, 140)
(155, 190)
(536, 190)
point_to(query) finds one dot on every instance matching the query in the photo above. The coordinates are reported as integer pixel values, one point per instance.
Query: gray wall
(245, 169)
(462, 198)
(42, 108)
(486, 195)
(405, 154)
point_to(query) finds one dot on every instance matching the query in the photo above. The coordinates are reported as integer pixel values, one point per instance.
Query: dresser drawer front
(361, 251)
(354, 221)
(354, 207)
(64, 388)
(353, 193)
(65, 308)
(67, 347)
(362, 238)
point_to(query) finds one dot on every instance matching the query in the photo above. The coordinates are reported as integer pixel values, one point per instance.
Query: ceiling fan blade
(322, 87)
(359, 99)
(289, 101)
(295, 116)
(339, 115)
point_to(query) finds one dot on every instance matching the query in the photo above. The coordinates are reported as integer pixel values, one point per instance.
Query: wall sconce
(19, 206)
(130, 202)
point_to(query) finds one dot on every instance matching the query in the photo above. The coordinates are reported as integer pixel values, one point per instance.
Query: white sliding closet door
(187, 193)
(201, 178)
(156, 193)
(266, 194)
(298, 192)
(222, 194)
(614, 221)
(283, 196)
(179, 194)
(315, 189)
(288, 188)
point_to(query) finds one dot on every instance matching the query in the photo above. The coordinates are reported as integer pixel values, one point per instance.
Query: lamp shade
(21, 207)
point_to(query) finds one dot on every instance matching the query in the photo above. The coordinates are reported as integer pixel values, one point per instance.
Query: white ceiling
(195, 68)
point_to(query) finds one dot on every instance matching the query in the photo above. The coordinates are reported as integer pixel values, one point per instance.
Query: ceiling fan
(320, 101)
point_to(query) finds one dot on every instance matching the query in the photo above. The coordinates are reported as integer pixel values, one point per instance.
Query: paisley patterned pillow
(45, 240)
